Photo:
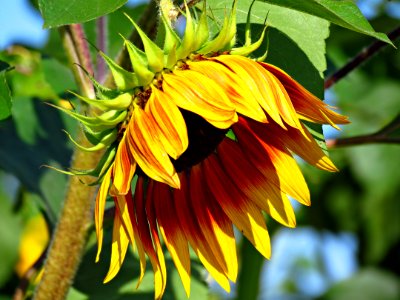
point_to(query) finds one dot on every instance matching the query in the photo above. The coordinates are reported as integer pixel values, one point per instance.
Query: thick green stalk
(248, 283)
(69, 238)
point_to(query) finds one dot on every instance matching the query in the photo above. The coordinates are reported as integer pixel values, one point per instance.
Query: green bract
(115, 105)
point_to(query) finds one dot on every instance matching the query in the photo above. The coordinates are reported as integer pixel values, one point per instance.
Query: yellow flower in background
(198, 139)
(34, 240)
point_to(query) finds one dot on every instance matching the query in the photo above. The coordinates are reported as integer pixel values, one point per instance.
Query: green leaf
(318, 135)
(340, 12)
(5, 94)
(58, 76)
(10, 229)
(306, 31)
(368, 284)
(48, 145)
(62, 12)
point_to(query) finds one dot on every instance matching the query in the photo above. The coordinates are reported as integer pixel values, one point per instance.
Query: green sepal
(143, 74)
(102, 167)
(187, 45)
(112, 117)
(155, 56)
(264, 56)
(94, 136)
(217, 43)
(226, 37)
(70, 173)
(231, 37)
(171, 40)
(124, 80)
(202, 32)
(170, 58)
(247, 31)
(102, 91)
(99, 171)
(141, 55)
(248, 49)
(106, 141)
(121, 102)
(94, 123)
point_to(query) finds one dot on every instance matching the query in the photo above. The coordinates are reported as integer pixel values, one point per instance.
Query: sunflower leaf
(5, 94)
(342, 13)
(317, 133)
(306, 31)
(62, 12)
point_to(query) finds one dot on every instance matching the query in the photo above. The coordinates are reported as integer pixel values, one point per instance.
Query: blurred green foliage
(363, 198)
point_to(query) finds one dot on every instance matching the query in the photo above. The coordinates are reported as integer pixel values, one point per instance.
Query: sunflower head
(199, 138)
(137, 90)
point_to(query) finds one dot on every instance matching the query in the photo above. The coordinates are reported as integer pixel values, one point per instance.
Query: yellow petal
(119, 247)
(148, 151)
(308, 106)
(156, 258)
(197, 240)
(246, 216)
(301, 143)
(273, 160)
(170, 123)
(198, 94)
(99, 209)
(128, 201)
(262, 89)
(214, 224)
(124, 168)
(171, 232)
(240, 95)
(151, 217)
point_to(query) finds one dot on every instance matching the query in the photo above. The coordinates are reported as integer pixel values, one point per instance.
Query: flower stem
(361, 57)
(69, 238)
(101, 26)
(383, 136)
(78, 54)
(248, 283)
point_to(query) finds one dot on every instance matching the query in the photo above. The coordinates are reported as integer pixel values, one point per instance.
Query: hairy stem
(101, 26)
(69, 238)
(77, 50)
(361, 57)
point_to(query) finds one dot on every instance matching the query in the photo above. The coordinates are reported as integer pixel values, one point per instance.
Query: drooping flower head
(198, 138)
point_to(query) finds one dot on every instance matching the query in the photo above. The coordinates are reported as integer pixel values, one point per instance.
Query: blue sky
(21, 23)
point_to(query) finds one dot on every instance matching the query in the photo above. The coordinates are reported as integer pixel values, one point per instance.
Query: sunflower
(199, 138)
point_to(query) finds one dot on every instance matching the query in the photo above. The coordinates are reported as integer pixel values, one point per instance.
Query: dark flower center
(203, 140)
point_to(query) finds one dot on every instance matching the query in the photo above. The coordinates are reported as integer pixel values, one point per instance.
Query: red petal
(246, 216)
(254, 184)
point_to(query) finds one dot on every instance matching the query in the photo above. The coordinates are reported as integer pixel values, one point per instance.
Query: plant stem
(381, 137)
(361, 57)
(78, 54)
(249, 276)
(190, 3)
(101, 26)
(69, 238)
